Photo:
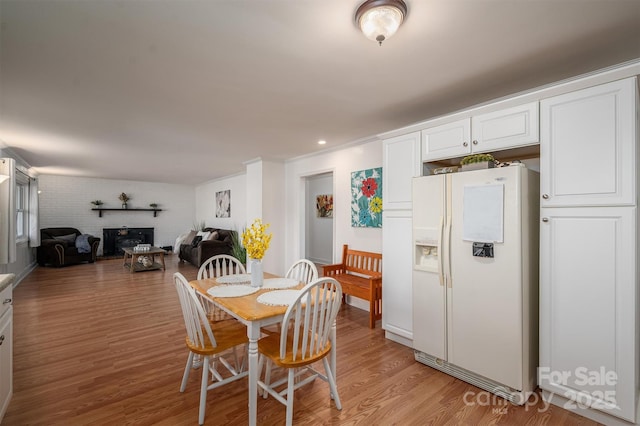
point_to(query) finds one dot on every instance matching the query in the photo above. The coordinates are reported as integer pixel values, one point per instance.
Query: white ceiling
(186, 91)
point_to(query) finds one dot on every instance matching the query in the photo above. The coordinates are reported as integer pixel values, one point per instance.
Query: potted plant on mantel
(477, 161)
(97, 203)
(124, 198)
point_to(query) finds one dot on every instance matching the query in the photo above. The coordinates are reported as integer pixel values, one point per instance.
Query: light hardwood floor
(96, 345)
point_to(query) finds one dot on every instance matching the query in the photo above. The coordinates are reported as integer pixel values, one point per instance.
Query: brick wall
(66, 201)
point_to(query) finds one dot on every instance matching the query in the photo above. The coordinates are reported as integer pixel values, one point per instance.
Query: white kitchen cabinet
(494, 131)
(588, 147)
(6, 342)
(588, 307)
(397, 316)
(401, 163)
(504, 129)
(447, 141)
(588, 252)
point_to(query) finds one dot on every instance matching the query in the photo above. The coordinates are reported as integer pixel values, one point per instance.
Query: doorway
(318, 213)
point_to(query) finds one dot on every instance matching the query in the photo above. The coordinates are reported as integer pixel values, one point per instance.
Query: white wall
(206, 202)
(65, 201)
(341, 163)
(319, 230)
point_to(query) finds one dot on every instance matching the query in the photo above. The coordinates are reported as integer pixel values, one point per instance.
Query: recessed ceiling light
(322, 142)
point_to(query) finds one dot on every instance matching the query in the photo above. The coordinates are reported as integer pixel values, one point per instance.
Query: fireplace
(115, 239)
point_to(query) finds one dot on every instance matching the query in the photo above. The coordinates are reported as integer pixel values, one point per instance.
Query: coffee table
(131, 259)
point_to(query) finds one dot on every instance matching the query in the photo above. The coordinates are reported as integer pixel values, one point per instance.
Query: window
(22, 207)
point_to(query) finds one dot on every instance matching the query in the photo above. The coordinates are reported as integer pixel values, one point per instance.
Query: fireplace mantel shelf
(100, 210)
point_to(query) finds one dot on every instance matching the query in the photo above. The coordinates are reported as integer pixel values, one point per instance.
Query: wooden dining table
(254, 315)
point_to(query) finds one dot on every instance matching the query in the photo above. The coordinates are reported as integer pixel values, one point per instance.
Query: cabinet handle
(545, 196)
(6, 301)
(1, 339)
(465, 144)
(475, 142)
(545, 219)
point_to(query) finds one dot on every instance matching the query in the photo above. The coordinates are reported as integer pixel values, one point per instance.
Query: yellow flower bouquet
(256, 240)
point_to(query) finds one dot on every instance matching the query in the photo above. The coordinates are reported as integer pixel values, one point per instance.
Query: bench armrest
(329, 270)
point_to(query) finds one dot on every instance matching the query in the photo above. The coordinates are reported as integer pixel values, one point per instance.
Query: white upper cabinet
(494, 131)
(401, 163)
(587, 148)
(447, 141)
(504, 129)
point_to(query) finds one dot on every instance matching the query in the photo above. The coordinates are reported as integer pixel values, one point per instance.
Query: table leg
(134, 258)
(253, 332)
(162, 260)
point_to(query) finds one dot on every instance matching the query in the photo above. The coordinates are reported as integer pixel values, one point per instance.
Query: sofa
(62, 247)
(197, 247)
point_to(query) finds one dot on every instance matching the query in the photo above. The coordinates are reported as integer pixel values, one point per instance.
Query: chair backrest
(304, 271)
(219, 265)
(195, 317)
(306, 327)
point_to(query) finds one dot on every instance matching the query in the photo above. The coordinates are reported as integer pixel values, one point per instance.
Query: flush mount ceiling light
(380, 19)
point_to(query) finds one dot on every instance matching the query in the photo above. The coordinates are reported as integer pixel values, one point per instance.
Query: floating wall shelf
(155, 211)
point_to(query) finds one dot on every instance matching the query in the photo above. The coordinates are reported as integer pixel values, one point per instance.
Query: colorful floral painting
(324, 205)
(366, 198)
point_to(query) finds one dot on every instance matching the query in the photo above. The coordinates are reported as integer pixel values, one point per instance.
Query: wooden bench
(360, 275)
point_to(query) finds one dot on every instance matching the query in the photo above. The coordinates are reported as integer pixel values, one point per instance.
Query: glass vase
(256, 273)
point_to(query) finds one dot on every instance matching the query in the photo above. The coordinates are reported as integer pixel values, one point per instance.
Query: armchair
(58, 247)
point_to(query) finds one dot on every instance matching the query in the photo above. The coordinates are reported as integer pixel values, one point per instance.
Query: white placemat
(233, 290)
(278, 297)
(276, 283)
(234, 279)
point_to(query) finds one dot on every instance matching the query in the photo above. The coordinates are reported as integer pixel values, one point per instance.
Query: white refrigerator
(475, 277)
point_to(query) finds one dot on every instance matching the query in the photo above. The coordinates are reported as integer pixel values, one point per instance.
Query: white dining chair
(305, 338)
(303, 270)
(209, 341)
(219, 265)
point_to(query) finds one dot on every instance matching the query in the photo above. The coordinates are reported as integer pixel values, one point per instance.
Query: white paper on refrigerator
(483, 213)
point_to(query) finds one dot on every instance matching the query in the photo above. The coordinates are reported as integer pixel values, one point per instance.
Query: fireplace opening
(115, 239)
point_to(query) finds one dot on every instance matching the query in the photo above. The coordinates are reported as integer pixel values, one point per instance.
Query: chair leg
(187, 370)
(203, 389)
(267, 377)
(332, 383)
(290, 391)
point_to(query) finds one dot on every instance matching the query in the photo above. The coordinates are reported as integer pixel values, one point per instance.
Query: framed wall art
(366, 198)
(324, 205)
(223, 203)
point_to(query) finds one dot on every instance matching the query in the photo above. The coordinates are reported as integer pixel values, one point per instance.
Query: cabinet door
(6, 360)
(447, 141)
(587, 307)
(397, 316)
(588, 146)
(401, 163)
(504, 129)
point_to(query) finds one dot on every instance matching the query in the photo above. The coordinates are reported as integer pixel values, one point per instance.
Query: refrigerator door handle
(448, 250)
(440, 253)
